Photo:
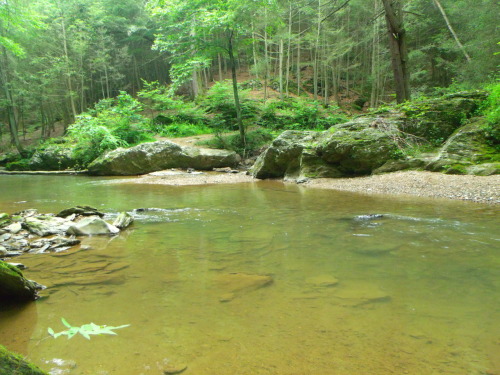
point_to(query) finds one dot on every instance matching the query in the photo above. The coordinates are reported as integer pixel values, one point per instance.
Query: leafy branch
(85, 330)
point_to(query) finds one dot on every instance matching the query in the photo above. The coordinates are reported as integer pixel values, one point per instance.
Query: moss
(5, 219)
(13, 285)
(14, 364)
(455, 169)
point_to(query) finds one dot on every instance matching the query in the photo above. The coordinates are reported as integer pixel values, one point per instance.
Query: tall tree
(397, 43)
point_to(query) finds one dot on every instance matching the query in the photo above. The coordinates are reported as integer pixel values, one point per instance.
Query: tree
(15, 19)
(398, 48)
(194, 32)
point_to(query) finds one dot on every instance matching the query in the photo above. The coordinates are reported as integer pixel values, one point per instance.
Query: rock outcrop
(13, 285)
(351, 149)
(468, 151)
(376, 143)
(156, 156)
(52, 158)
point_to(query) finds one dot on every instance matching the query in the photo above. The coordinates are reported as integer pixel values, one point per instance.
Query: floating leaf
(85, 330)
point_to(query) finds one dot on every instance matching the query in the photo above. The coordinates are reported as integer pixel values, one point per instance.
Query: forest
(80, 62)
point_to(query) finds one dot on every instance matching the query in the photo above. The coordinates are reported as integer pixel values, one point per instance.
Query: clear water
(417, 291)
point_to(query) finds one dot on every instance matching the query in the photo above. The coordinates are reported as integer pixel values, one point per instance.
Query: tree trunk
(455, 36)
(397, 44)
(281, 52)
(9, 102)
(68, 70)
(232, 61)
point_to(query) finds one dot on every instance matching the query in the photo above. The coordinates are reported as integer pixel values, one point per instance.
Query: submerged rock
(157, 156)
(322, 281)
(237, 284)
(14, 364)
(13, 285)
(90, 226)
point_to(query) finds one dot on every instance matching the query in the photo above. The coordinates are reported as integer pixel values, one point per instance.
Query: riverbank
(481, 189)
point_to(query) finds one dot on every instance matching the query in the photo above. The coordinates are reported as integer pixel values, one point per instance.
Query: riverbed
(412, 291)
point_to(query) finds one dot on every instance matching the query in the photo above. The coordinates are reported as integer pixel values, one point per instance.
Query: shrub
(219, 101)
(255, 140)
(491, 109)
(111, 124)
(183, 129)
(299, 114)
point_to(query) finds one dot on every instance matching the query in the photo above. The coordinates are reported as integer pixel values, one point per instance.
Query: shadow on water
(18, 324)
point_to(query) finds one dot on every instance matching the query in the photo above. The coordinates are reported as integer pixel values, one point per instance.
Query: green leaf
(51, 332)
(65, 323)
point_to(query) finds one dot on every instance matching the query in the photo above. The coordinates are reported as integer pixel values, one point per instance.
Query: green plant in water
(85, 330)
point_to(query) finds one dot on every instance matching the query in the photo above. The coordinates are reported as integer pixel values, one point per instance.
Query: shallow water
(417, 290)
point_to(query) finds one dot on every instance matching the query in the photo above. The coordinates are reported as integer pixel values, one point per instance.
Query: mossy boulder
(468, 151)
(52, 158)
(436, 119)
(14, 364)
(14, 287)
(351, 149)
(156, 156)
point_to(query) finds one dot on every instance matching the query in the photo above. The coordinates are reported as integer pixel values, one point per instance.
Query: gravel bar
(481, 189)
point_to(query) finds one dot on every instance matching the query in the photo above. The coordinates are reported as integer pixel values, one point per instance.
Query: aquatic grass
(85, 330)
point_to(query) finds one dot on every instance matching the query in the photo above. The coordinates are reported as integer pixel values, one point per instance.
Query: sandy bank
(423, 184)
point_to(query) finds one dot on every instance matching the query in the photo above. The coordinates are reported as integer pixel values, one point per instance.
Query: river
(412, 292)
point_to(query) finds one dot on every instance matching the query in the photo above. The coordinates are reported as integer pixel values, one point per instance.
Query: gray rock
(123, 220)
(53, 158)
(350, 149)
(465, 151)
(90, 226)
(45, 225)
(14, 228)
(156, 156)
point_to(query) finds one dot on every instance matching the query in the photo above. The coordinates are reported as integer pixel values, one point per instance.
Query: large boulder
(13, 285)
(52, 158)
(351, 149)
(468, 151)
(436, 119)
(14, 364)
(156, 156)
(91, 226)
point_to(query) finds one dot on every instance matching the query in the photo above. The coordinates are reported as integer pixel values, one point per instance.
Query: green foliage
(491, 109)
(183, 129)
(111, 124)
(85, 330)
(18, 165)
(219, 101)
(255, 140)
(299, 114)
